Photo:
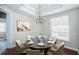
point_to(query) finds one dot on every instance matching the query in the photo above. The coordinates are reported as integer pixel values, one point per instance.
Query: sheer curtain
(2, 27)
(2, 30)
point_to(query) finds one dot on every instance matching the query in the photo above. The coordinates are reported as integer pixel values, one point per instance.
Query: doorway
(3, 38)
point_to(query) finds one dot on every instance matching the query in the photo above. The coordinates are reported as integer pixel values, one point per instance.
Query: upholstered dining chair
(57, 49)
(53, 40)
(20, 47)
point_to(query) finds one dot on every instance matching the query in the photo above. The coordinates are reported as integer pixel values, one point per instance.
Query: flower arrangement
(42, 36)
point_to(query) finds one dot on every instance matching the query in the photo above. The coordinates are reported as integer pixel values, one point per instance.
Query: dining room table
(43, 48)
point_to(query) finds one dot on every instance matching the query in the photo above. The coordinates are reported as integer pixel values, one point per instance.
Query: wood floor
(70, 52)
(13, 52)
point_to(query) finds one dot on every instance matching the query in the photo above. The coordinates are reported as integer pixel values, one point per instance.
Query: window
(2, 29)
(60, 27)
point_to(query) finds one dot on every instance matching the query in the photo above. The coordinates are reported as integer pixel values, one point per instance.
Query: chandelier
(39, 18)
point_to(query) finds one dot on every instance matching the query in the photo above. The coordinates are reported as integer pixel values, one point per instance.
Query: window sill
(63, 39)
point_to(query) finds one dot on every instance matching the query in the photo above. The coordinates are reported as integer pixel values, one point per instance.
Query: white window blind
(2, 27)
(60, 27)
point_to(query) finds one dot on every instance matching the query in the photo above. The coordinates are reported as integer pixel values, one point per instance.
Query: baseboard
(72, 49)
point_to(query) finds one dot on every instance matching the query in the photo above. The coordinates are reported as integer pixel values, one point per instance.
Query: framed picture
(22, 26)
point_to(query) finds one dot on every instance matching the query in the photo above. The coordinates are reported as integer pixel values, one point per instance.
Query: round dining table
(43, 49)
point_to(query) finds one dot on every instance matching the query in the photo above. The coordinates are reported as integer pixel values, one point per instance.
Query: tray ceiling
(46, 9)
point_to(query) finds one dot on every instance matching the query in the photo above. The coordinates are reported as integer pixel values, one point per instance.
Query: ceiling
(46, 9)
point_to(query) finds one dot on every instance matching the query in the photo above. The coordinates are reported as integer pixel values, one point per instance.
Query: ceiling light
(39, 18)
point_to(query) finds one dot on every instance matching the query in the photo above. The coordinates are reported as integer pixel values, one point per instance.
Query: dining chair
(20, 47)
(57, 49)
(53, 40)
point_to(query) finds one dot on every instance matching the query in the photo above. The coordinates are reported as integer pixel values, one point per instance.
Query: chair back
(61, 48)
(55, 41)
(19, 47)
(18, 43)
(57, 49)
(61, 45)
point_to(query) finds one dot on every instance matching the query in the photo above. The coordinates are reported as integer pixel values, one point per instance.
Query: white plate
(50, 42)
(41, 44)
(30, 42)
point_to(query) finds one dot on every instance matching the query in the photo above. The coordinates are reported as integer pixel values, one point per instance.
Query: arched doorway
(3, 33)
(7, 43)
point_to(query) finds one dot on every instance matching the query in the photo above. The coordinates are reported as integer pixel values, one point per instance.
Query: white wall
(35, 27)
(73, 20)
(78, 31)
(12, 33)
